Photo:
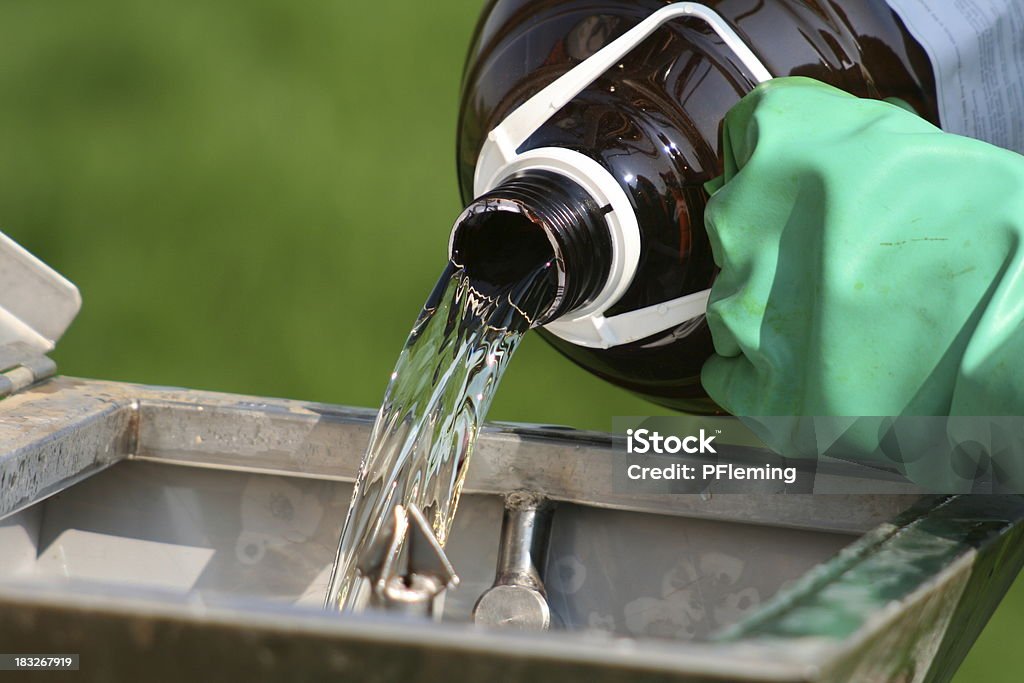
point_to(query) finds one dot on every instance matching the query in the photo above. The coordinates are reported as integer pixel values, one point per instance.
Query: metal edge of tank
(56, 435)
(904, 602)
(325, 441)
(143, 635)
(305, 439)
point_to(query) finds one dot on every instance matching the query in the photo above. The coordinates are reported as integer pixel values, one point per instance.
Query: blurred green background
(255, 197)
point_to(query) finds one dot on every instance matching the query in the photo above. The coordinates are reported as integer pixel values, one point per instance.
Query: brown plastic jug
(598, 122)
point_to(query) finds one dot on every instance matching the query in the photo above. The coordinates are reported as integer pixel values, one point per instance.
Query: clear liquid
(433, 409)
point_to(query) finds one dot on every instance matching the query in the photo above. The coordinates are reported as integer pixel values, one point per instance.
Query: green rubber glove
(870, 263)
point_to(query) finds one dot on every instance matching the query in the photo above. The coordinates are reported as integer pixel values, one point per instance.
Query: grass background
(254, 196)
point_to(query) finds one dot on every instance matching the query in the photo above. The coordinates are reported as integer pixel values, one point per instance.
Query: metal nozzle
(407, 581)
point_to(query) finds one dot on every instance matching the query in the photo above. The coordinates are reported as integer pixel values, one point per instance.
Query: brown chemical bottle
(642, 136)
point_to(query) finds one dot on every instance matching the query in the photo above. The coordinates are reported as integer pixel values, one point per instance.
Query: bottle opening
(499, 245)
(536, 224)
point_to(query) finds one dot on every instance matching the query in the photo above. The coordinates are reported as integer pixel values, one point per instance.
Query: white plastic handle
(499, 159)
(521, 124)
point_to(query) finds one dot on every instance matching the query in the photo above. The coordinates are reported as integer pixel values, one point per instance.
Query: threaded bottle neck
(532, 219)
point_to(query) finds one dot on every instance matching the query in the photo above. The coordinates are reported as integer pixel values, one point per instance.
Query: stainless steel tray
(164, 533)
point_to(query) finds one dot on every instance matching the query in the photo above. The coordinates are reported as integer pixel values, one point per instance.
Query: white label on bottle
(977, 52)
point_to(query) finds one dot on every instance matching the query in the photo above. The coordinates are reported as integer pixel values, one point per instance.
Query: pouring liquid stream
(435, 405)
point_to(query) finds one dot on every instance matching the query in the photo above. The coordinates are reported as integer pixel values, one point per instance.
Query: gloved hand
(870, 263)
